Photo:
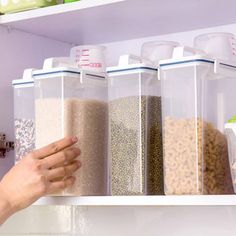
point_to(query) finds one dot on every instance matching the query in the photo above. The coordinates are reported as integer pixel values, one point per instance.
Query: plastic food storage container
(69, 101)
(135, 133)
(230, 131)
(197, 99)
(24, 123)
(11, 6)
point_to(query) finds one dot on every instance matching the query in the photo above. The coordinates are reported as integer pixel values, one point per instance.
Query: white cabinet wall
(125, 221)
(20, 49)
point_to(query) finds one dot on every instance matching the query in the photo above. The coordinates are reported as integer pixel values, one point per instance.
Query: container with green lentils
(135, 136)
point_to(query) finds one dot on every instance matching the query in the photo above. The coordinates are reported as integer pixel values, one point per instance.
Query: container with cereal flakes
(71, 101)
(135, 137)
(24, 122)
(197, 99)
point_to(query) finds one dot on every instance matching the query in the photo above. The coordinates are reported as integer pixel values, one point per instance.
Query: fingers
(63, 171)
(54, 147)
(60, 158)
(60, 185)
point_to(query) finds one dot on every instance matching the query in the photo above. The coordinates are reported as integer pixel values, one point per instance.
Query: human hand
(39, 173)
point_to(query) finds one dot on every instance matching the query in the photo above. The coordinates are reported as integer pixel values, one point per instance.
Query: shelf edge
(52, 10)
(210, 200)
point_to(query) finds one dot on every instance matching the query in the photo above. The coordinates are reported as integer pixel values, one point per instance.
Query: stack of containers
(24, 121)
(136, 158)
(70, 101)
(198, 97)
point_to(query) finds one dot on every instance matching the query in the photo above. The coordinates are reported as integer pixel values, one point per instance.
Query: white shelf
(99, 21)
(207, 200)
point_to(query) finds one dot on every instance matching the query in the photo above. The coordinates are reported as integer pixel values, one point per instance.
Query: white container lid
(22, 82)
(26, 81)
(221, 68)
(126, 66)
(62, 67)
(64, 71)
(195, 57)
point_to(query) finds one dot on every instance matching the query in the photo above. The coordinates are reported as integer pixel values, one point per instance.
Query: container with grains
(135, 130)
(195, 105)
(74, 102)
(24, 123)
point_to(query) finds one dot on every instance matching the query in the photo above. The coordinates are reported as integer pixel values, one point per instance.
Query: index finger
(54, 147)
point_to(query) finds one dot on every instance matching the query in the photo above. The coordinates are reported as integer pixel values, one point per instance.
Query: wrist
(5, 204)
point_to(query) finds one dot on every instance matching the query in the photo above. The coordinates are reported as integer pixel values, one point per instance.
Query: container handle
(128, 59)
(28, 73)
(183, 51)
(58, 62)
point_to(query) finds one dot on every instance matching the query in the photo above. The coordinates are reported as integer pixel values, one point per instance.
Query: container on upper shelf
(198, 97)
(24, 123)
(135, 129)
(230, 131)
(70, 101)
(11, 6)
(69, 1)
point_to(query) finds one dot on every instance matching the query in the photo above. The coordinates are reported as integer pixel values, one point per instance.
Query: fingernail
(74, 139)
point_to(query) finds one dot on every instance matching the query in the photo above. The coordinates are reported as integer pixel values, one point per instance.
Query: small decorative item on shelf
(12, 6)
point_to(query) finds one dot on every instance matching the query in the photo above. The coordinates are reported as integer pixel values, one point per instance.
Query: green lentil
(155, 178)
(136, 146)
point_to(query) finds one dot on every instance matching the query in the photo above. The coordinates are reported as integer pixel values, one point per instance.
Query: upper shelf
(102, 21)
(203, 200)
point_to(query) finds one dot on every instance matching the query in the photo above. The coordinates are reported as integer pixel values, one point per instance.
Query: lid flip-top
(63, 66)
(186, 56)
(26, 80)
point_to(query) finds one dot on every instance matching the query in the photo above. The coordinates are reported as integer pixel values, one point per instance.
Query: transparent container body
(231, 139)
(195, 147)
(24, 120)
(135, 140)
(68, 104)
